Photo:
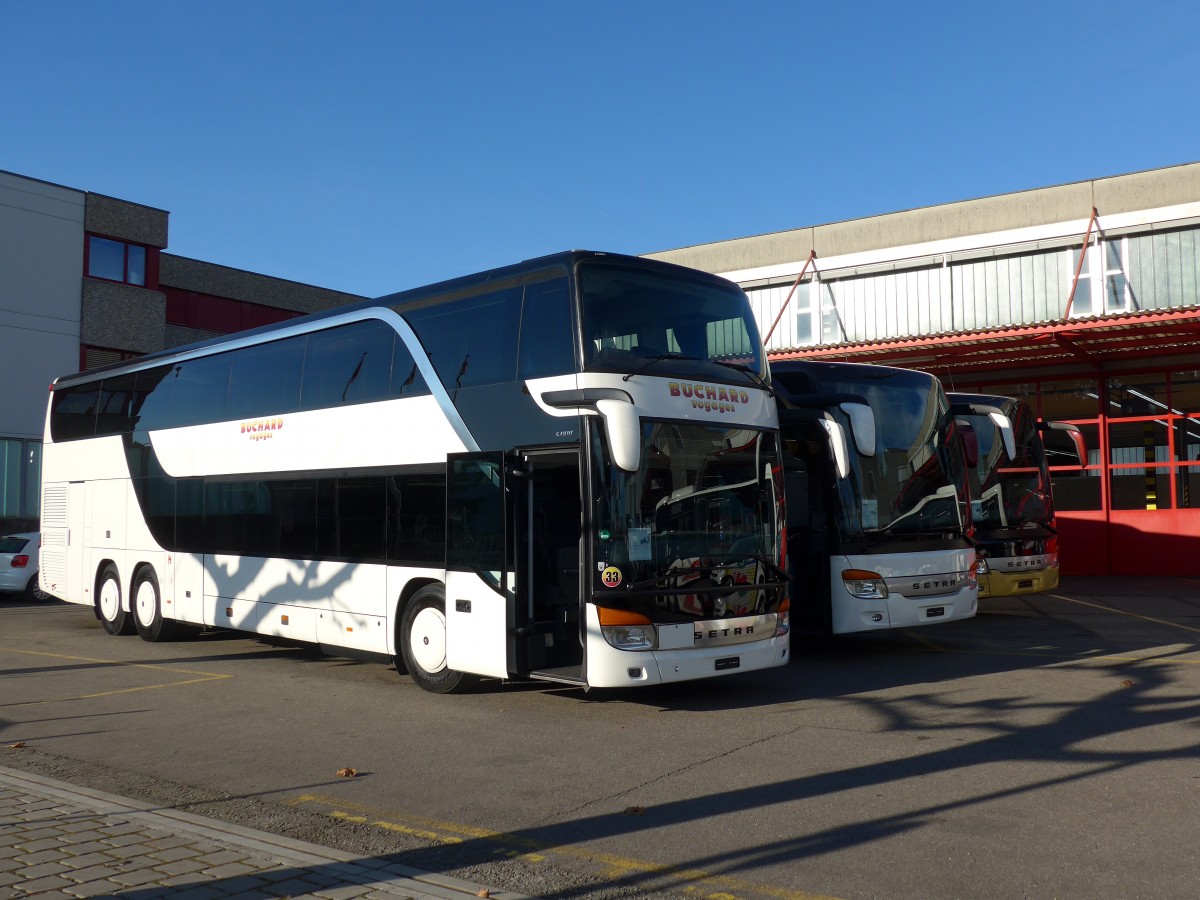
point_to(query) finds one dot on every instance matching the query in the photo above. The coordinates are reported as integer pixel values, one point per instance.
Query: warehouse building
(1083, 299)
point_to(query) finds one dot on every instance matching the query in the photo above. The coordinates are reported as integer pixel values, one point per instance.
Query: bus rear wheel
(423, 643)
(147, 609)
(108, 603)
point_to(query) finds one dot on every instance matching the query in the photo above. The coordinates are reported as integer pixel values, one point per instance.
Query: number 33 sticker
(611, 576)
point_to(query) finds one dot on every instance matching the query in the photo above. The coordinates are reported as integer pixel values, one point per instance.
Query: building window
(804, 314)
(1116, 285)
(20, 477)
(1102, 275)
(1081, 305)
(92, 357)
(116, 260)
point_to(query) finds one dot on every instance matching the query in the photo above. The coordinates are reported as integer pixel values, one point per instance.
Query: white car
(19, 565)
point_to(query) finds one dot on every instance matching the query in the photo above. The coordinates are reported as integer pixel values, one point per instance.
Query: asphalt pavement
(59, 840)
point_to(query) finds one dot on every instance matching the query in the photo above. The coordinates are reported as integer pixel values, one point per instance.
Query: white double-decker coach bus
(507, 475)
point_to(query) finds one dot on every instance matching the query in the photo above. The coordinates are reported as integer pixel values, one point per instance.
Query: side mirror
(1052, 439)
(623, 428)
(862, 425)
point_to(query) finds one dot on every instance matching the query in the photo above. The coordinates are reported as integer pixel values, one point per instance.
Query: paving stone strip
(59, 840)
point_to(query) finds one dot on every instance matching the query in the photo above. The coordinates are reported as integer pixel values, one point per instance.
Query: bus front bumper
(1008, 584)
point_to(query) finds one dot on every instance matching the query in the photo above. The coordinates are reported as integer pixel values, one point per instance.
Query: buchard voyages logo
(710, 397)
(261, 429)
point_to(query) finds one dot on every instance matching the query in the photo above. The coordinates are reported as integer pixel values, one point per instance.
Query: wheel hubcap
(428, 640)
(110, 600)
(144, 603)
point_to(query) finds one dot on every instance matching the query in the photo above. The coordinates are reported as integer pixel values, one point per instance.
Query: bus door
(481, 503)
(808, 473)
(548, 640)
(512, 565)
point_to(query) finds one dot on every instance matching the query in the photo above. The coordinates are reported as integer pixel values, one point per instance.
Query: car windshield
(11, 544)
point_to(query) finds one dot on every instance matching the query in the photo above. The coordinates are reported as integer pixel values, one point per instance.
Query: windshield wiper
(887, 535)
(754, 376)
(728, 559)
(658, 357)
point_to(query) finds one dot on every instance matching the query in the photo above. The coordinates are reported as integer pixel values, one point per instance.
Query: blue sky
(375, 146)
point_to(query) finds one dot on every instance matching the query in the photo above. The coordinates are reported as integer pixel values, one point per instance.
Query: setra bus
(1011, 498)
(878, 514)
(493, 476)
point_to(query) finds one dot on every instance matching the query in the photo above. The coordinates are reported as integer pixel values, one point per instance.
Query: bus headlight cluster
(784, 623)
(631, 637)
(864, 584)
(627, 630)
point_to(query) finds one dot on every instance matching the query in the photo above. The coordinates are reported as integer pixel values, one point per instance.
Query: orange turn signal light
(621, 617)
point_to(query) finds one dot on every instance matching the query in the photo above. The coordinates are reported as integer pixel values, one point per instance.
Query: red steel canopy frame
(1093, 340)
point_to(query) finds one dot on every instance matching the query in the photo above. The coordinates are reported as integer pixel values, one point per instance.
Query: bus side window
(116, 396)
(471, 341)
(201, 389)
(350, 364)
(407, 380)
(266, 378)
(74, 412)
(151, 405)
(547, 346)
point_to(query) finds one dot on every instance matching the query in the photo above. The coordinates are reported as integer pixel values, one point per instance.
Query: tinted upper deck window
(547, 342)
(266, 378)
(472, 341)
(348, 364)
(73, 413)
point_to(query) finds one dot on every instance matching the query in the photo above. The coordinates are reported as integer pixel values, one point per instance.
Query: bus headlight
(784, 623)
(627, 630)
(981, 566)
(864, 584)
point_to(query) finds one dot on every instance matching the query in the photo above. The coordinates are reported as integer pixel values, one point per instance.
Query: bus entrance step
(563, 675)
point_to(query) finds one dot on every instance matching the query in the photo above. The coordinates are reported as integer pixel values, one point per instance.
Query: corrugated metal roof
(1092, 339)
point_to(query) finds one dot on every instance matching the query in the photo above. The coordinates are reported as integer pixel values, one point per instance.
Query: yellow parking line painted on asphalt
(921, 639)
(707, 884)
(1121, 612)
(113, 663)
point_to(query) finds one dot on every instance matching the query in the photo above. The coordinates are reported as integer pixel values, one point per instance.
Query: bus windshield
(632, 317)
(698, 513)
(1012, 492)
(911, 481)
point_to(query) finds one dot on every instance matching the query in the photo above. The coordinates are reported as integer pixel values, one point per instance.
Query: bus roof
(565, 259)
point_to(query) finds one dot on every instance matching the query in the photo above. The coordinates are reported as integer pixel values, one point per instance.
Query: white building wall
(41, 273)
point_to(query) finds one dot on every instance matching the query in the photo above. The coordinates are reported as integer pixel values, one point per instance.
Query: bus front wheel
(108, 603)
(423, 643)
